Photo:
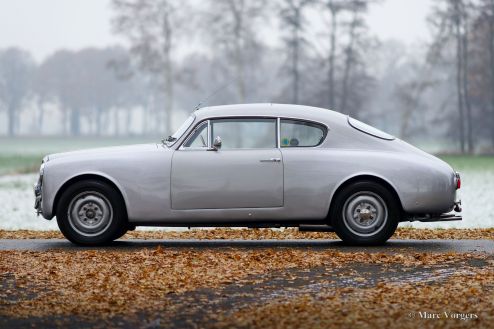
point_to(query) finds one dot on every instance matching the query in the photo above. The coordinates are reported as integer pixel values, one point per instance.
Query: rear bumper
(436, 218)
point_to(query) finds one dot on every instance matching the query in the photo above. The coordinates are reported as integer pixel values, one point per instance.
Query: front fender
(53, 188)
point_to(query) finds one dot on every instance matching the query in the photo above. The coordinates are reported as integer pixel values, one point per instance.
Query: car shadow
(392, 245)
(136, 244)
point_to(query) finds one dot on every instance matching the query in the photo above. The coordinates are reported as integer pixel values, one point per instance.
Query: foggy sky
(42, 27)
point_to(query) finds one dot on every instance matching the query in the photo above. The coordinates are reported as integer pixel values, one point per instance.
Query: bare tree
(150, 27)
(410, 96)
(348, 40)
(292, 15)
(450, 21)
(16, 68)
(354, 67)
(485, 26)
(334, 7)
(233, 25)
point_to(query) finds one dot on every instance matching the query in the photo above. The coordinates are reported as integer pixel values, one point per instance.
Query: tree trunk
(75, 122)
(332, 55)
(145, 109)
(238, 50)
(128, 120)
(65, 119)
(466, 97)
(116, 121)
(491, 59)
(168, 73)
(11, 125)
(41, 116)
(348, 64)
(98, 120)
(295, 57)
(459, 78)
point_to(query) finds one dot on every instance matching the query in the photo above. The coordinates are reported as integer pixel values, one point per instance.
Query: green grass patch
(19, 164)
(24, 154)
(470, 162)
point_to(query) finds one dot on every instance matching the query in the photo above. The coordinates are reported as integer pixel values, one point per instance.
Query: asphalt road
(392, 246)
(194, 309)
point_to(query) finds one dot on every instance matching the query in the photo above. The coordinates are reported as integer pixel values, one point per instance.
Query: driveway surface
(392, 246)
(198, 308)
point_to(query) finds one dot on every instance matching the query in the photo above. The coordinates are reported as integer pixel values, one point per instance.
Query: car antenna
(214, 93)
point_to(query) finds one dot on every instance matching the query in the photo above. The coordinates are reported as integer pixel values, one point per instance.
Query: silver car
(258, 165)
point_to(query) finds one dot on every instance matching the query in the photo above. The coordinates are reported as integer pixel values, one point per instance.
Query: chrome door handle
(271, 160)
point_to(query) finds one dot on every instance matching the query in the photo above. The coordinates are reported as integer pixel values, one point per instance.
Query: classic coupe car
(257, 165)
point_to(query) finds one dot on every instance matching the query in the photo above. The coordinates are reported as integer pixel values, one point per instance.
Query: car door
(245, 172)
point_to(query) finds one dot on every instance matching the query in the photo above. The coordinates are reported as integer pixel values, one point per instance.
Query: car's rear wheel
(365, 213)
(91, 213)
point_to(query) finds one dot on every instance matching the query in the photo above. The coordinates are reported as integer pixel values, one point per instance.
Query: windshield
(180, 131)
(365, 128)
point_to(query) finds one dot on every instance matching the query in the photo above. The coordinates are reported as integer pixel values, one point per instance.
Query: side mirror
(216, 143)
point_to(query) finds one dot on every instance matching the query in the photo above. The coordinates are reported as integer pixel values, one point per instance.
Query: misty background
(93, 73)
(422, 70)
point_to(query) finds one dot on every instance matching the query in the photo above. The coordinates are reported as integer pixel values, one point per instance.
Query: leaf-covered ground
(462, 301)
(228, 288)
(257, 234)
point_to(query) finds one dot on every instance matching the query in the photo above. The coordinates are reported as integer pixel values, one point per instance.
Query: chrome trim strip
(209, 134)
(278, 120)
(278, 136)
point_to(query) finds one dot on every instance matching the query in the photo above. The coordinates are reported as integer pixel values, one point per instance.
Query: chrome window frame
(274, 118)
(277, 118)
(191, 134)
(324, 128)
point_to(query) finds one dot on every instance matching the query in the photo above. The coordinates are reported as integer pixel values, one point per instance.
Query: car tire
(365, 213)
(91, 213)
(121, 233)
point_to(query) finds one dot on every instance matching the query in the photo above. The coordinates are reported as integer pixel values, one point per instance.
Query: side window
(245, 133)
(198, 138)
(295, 133)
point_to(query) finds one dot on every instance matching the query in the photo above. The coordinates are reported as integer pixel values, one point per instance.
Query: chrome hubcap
(365, 213)
(90, 213)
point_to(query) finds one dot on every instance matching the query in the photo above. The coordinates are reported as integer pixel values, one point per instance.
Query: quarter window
(245, 133)
(296, 133)
(365, 128)
(199, 138)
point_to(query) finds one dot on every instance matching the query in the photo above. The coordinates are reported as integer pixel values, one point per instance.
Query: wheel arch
(89, 176)
(365, 177)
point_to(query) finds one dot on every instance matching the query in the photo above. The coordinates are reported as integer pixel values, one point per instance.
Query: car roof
(271, 109)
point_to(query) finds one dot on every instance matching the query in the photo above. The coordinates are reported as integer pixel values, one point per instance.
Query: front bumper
(37, 196)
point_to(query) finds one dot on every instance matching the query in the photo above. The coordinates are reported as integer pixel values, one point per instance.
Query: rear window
(365, 128)
(296, 133)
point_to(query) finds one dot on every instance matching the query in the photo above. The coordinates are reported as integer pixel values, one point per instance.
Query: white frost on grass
(17, 212)
(477, 195)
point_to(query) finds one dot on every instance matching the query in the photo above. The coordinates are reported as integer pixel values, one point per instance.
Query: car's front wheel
(91, 213)
(365, 213)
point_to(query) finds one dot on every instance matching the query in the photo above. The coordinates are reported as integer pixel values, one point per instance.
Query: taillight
(458, 180)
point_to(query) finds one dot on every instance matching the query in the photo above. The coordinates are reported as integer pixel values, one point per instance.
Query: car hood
(105, 150)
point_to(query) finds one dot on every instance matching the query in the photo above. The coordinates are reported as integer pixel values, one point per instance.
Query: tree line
(313, 52)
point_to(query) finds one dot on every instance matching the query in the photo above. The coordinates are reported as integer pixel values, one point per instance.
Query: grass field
(24, 154)
(20, 160)
(470, 162)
